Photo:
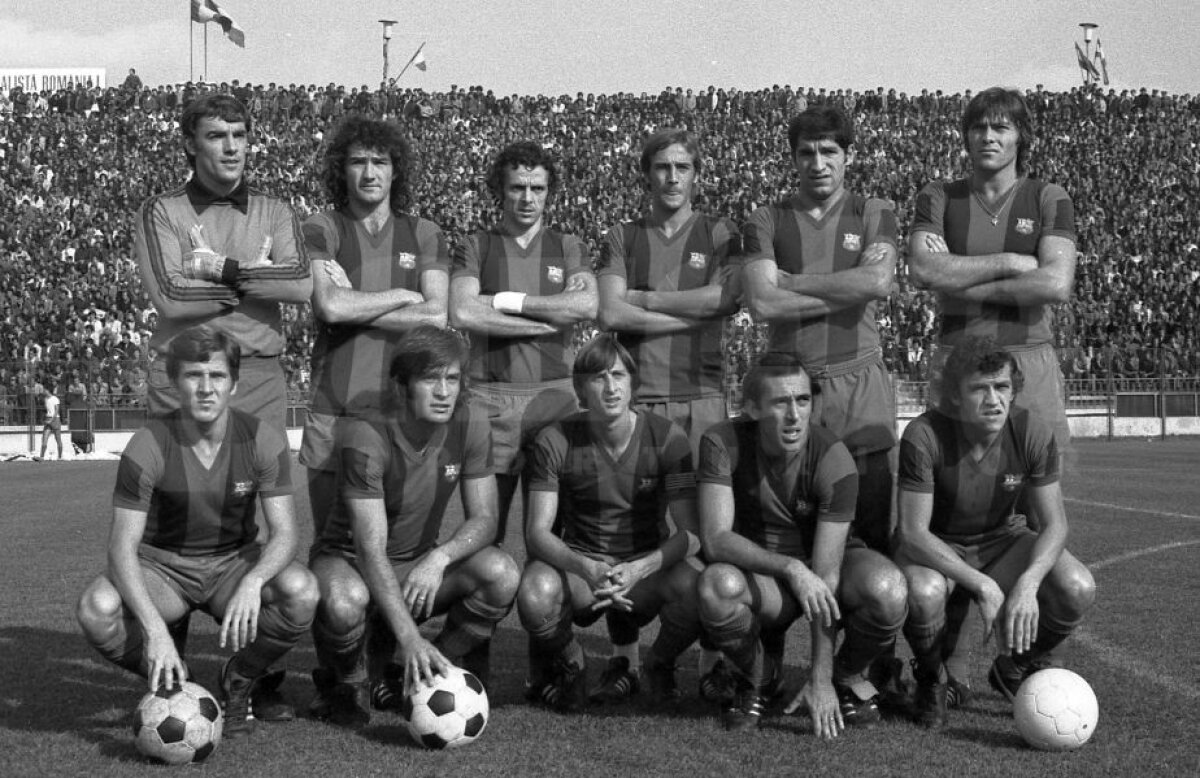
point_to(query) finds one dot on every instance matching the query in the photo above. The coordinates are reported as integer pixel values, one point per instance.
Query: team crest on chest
(555, 274)
(646, 484)
(697, 260)
(406, 261)
(802, 507)
(242, 488)
(852, 241)
(1011, 482)
(1025, 226)
(450, 472)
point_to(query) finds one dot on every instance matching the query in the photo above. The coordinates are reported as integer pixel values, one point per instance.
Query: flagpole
(410, 61)
(204, 75)
(1088, 77)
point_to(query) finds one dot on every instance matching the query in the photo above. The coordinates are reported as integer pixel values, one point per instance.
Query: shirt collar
(201, 197)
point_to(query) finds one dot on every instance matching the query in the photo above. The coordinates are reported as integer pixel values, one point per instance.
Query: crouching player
(379, 556)
(183, 538)
(611, 473)
(964, 467)
(777, 494)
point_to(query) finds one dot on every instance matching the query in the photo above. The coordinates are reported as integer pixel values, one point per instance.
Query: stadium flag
(205, 11)
(1085, 64)
(419, 62)
(1102, 61)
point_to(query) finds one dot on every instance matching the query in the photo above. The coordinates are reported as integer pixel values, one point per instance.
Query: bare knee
(99, 606)
(498, 574)
(295, 590)
(344, 605)
(885, 593)
(927, 592)
(720, 587)
(540, 593)
(1075, 589)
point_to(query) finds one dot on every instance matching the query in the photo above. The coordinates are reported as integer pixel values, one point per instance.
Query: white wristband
(508, 302)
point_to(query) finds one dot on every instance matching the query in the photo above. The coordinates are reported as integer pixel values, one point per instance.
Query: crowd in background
(75, 164)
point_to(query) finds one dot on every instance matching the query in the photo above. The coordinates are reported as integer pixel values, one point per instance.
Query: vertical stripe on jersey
(545, 355)
(831, 245)
(681, 365)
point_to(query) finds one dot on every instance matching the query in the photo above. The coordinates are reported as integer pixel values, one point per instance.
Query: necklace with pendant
(994, 216)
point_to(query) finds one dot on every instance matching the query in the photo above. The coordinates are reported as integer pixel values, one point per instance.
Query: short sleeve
(466, 260)
(930, 209)
(679, 473)
(716, 459)
(477, 453)
(758, 235)
(881, 224)
(434, 252)
(1058, 212)
(837, 485)
(546, 458)
(363, 461)
(320, 238)
(612, 253)
(917, 457)
(140, 470)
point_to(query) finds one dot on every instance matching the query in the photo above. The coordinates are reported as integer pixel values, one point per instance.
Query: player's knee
(297, 591)
(1077, 590)
(927, 591)
(345, 607)
(720, 585)
(540, 592)
(886, 594)
(99, 606)
(499, 573)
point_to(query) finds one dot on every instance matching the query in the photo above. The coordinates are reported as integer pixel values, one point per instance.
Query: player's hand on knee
(817, 601)
(421, 586)
(991, 604)
(239, 628)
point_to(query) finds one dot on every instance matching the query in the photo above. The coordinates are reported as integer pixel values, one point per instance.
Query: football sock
(956, 656)
(622, 628)
(737, 637)
(926, 642)
(678, 628)
(469, 623)
(277, 634)
(864, 640)
(381, 643)
(341, 652)
(631, 653)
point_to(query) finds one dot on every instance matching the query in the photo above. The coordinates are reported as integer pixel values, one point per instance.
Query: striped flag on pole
(205, 11)
(1102, 61)
(1085, 64)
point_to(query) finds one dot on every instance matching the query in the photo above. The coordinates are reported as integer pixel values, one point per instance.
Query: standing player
(379, 551)
(52, 423)
(998, 248)
(184, 531)
(377, 271)
(520, 288)
(777, 494)
(218, 252)
(816, 265)
(964, 469)
(611, 473)
(667, 282)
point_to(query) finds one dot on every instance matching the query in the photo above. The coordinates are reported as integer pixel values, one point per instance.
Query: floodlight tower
(387, 37)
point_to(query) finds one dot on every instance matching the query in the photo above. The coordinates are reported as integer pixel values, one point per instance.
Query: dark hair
(199, 344)
(426, 349)
(669, 137)
(214, 105)
(596, 356)
(373, 135)
(773, 364)
(975, 354)
(997, 102)
(525, 153)
(818, 123)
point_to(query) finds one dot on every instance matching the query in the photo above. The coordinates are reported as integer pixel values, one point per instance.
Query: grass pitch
(1135, 519)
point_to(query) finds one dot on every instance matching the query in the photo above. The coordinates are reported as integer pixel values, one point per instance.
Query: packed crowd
(75, 165)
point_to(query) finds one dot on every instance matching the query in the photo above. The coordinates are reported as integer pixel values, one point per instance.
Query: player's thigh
(1005, 565)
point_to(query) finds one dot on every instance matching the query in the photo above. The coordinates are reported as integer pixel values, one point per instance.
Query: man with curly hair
(519, 288)
(378, 271)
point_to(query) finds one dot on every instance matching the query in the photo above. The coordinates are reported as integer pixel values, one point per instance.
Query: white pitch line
(1114, 506)
(1115, 655)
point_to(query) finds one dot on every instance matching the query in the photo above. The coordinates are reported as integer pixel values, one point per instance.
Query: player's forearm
(381, 582)
(949, 273)
(853, 286)
(296, 290)
(472, 535)
(744, 553)
(1033, 288)
(125, 571)
(777, 304)
(549, 548)
(704, 302)
(405, 318)
(823, 638)
(480, 318)
(338, 305)
(621, 316)
(1047, 549)
(562, 309)
(928, 550)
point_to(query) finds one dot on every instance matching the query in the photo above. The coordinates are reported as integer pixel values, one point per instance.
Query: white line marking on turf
(1114, 654)
(1112, 560)
(1114, 506)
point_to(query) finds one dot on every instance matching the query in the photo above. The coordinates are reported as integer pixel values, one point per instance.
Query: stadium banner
(51, 79)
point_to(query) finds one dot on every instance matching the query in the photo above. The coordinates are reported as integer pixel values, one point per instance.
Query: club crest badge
(242, 488)
(801, 508)
(1025, 226)
(555, 274)
(851, 241)
(450, 473)
(406, 261)
(1011, 482)
(697, 260)
(646, 485)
